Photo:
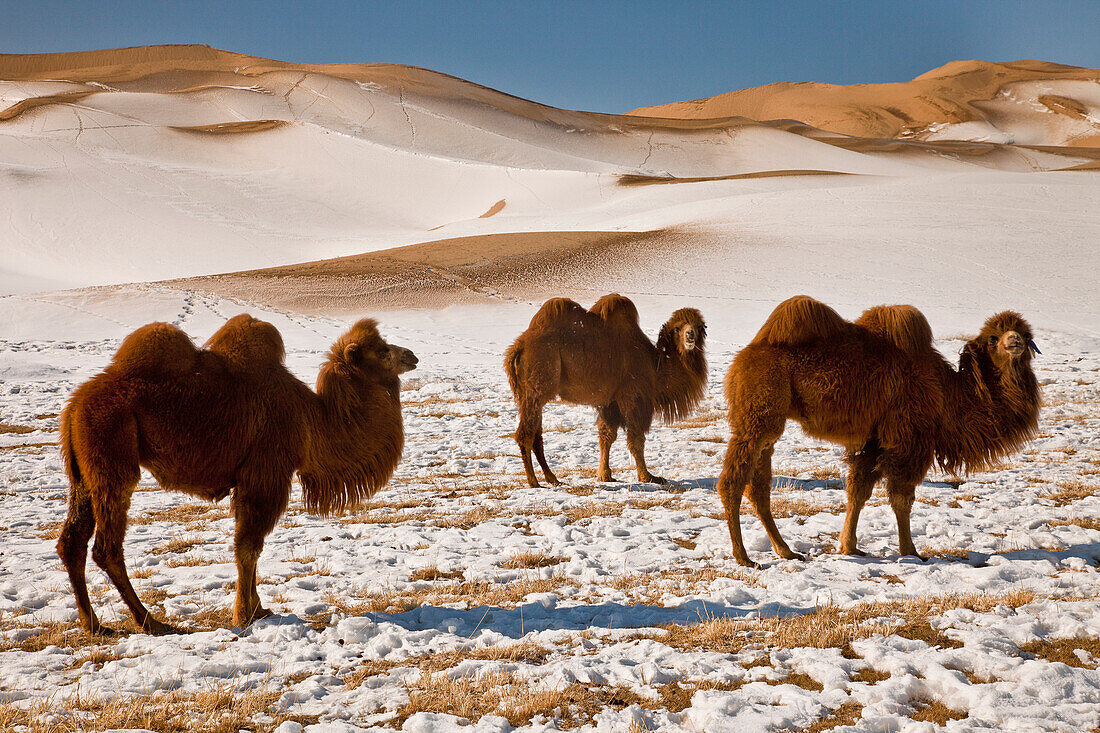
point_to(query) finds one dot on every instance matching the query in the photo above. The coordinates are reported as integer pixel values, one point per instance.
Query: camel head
(1005, 342)
(685, 331)
(362, 350)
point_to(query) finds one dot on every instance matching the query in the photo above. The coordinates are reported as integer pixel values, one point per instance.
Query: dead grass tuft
(8, 428)
(178, 544)
(848, 713)
(870, 675)
(1064, 650)
(529, 560)
(220, 709)
(934, 711)
(512, 697)
(1072, 491)
(833, 627)
(434, 573)
(1087, 522)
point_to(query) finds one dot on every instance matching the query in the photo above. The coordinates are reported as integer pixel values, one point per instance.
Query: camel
(600, 357)
(227, 418)
(879, 388)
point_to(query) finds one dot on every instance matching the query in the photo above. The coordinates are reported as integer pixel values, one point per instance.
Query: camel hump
(800, 320)
(156, 347)
(616, 309)
(903, 325)
(247, 340)
(557, 311)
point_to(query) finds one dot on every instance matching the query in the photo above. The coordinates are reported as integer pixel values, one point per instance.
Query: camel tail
(68, 454)
(800, 320)
(511, 365)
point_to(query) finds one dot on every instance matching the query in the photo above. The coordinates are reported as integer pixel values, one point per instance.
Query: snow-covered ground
(637, 616)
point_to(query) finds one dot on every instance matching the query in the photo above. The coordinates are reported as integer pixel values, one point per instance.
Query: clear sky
(600, 56)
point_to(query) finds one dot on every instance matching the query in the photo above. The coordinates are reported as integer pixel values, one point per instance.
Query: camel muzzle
(1014, 343)
(405, 360)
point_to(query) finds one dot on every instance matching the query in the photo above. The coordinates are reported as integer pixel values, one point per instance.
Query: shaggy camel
(600, 357)
(227, 418)
(879, 388)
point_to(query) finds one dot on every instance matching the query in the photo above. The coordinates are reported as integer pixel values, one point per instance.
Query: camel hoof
(793, 556)
(159, 628)
(854, 552)
(242, 620)
(101, 630)
(747, 563)
(553, 482)
(654, 480)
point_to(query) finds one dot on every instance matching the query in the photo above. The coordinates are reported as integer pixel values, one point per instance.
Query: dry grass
(1087, 522)
(522, 653)
(220, 709)
(512, 697)
(870, 675)
(1071, 491)
(1063, 650)
(934, 711)
(652, 586)
(184, 513)
(529, 560)
(38, 636)
(178, 544)
(847, 714)
(434, 573)
(833, 627)
(472, 593)
(8, 428)
(192, 560)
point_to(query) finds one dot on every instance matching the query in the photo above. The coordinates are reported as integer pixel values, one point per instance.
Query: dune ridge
(958, 92)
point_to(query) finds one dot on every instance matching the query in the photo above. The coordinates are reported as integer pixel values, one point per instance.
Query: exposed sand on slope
(959, 92)
(475, 269)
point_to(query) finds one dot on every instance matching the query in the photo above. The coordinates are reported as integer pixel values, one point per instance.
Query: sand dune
(1031, 102)
(176, 161)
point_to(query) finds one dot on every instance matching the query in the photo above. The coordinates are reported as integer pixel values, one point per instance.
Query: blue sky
(607, 57)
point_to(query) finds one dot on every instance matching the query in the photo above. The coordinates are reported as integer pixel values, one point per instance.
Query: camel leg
(863, 473)
(731, 486)
(902, 477)
(608, 421)
(256, 512)
(638, 419)
(530, 425)
(107, 552)
(760, 494)
(541, 456)
(72, 547)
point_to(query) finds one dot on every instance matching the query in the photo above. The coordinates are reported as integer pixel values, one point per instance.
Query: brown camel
(227, 418)
(600, 357)
(879, 388)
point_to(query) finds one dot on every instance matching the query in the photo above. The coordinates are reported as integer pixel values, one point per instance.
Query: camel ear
(351, 353)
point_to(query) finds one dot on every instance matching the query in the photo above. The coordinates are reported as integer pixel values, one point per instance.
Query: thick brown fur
(601, 357)
(227, 418)
(879, 388)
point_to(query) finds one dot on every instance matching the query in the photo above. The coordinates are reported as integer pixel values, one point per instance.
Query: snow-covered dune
(144, 164)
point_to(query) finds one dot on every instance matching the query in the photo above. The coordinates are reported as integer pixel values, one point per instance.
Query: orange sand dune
(950, 94)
